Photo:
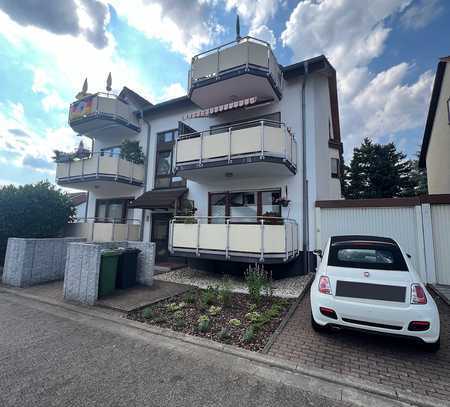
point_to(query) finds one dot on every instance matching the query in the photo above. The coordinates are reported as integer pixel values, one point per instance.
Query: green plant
(214, 310)
(225, 333)
(147, 313)
(253, 316)
(252, 307)
(274, 311)
(203, 323)
(132, 151)
(225, 293)
(257, 279)
(235, 322)
(249, 334)
(189, 297)
(209, 295)
(33, 211)
(178, 314)
(172, 307)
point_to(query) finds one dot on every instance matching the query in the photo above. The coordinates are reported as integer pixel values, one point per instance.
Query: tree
(32, 211)
(379, 171)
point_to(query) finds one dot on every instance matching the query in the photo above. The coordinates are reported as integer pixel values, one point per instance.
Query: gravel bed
(290, 287)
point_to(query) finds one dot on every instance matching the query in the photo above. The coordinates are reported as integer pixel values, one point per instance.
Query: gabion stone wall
(83, 268)
(35, 261)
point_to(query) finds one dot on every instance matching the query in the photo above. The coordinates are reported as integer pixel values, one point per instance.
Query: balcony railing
(247, 52)
(107, 108)
(260, 238)
(105, 166)
(261, 139)
(104, 229)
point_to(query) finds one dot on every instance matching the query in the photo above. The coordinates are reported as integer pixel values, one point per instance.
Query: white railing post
(229, 144)
(197, 251)
(248, 54)
(200, 161)
(262, 140)
(92, 231)
(70, 166)
(285, 141)
(98, 165)
(128, 230)
(175, 154)
(286, 255)
(261, 258)
(218, 62)
(227, 248)
(82, 168)
(113, 229)
(132, 172)
(171, 227)
(117, 167)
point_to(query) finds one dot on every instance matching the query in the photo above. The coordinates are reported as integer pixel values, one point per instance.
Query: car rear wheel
(317, 327)
(432, 347)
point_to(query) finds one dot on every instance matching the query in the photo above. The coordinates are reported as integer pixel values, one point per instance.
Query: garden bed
(208, 312)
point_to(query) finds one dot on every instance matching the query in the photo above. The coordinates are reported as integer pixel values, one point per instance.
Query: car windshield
(381, 256)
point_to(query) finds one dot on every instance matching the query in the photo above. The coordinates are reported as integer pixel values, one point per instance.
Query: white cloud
(187, 26)
(352, 34)
(421, 13)
(256, 12)
(264, 33)
(172, 91)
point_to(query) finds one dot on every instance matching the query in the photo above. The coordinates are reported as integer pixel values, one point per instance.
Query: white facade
(284, 173)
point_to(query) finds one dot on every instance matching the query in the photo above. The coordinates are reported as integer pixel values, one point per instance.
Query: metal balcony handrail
(227, 222)
(290, 144)
(109, 95)
(111, 221)
(83, 219)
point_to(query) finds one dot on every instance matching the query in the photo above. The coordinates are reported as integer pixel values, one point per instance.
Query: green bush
(189, 297)
(147, 313)
(225, 293)
(235, 322)
(214, 310)
(203, 323)
(249, 334)
(132, 151)
(33, 211)
(225, 333)
(257, 279)
(209, 295)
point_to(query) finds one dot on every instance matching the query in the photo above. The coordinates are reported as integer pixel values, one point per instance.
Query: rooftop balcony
(248, 239)
(101, 170)
(243, 68)
(95, 114)
(246, 149)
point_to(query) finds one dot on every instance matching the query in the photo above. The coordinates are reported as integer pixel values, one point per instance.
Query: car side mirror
(408, 255)
(318, 252)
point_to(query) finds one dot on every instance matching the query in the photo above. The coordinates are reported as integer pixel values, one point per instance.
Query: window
(367, 255)
(111, 210)
(272, 117)
(243, 206)
(111, 151)
(330, 131)
(334, 167)
(164, 177)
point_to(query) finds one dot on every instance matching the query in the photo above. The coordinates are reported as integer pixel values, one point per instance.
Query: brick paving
(389, 361)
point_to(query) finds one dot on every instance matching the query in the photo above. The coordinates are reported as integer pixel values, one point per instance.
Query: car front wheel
(317, 327)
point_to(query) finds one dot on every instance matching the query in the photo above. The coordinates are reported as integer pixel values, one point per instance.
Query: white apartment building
(232, 170)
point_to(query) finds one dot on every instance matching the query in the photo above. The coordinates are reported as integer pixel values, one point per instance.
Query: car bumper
(374, 317)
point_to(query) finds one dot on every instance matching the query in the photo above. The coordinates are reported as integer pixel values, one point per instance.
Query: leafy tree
(379, 171)
(32, 211)
(132, 151)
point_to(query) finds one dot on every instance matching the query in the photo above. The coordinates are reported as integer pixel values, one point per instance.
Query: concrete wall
(438, 154)
(34, 261)
(82, 268)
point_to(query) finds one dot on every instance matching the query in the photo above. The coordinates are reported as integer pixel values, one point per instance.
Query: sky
(385, 53)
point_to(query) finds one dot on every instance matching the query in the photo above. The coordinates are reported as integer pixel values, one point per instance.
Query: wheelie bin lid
(131, 250)
(110, 252)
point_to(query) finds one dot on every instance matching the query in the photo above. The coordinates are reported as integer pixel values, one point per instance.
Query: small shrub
(203, 323)
(172, 307)
(225, 293)
(274, 311)
(252, 308)
(253, 316)
(159, 320)
(209, 295)
(147, 313)
(235, 322)
(178, 314)
(257, 279)
(189, 297)
(249, 334)
(225, 333)
(214, 310)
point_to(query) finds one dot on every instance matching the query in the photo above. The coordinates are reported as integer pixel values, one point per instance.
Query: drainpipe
(304, 175)
(147, 153)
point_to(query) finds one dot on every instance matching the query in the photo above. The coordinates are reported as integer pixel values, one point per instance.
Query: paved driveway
(382, 360)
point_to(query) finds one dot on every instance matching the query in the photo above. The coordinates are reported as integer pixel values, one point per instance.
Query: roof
(361, 238)
(78, 198)
(169, 104)
(316, 64)
(160, 198)
(432, 110)
(137, 100)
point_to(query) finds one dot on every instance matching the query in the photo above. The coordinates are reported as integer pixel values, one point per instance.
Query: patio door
(160, 236)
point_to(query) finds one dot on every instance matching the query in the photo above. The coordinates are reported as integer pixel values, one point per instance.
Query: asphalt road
(51, 357)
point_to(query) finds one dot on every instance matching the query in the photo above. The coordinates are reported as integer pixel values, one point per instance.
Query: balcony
(107, 171)
(243, 68)
(247, 239)
(95, 114)
(104, 230)
(243, 150)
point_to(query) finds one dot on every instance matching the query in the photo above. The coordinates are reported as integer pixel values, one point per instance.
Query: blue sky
(385, 53)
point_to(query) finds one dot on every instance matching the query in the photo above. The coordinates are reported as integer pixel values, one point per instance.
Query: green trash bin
(108, 272)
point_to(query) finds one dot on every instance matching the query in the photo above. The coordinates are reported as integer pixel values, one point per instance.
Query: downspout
(147, 153)
(305, 223)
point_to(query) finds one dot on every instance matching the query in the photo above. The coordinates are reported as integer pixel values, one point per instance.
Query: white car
(368, 283)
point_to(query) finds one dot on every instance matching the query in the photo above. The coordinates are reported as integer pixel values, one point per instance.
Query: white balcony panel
(188, 150)
(103, 232)
(251, 239)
